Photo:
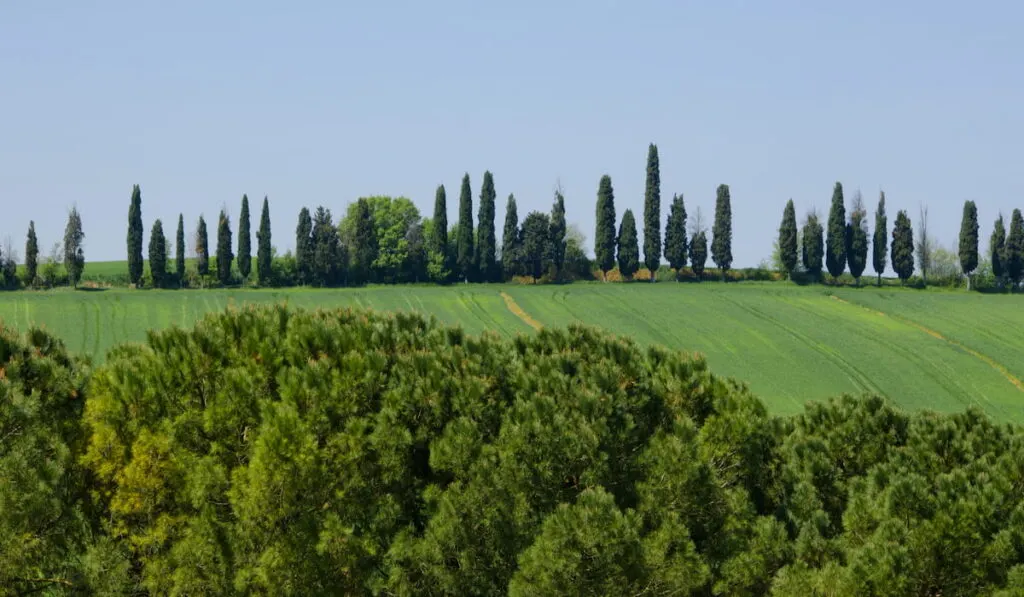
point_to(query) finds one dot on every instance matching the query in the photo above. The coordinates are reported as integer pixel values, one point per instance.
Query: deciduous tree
(629, 249)
(652, 212)
(604, 237)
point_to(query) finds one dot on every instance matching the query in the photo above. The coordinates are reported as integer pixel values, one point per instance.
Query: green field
(937, 350)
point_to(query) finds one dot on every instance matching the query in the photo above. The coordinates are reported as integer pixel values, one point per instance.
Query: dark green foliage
(179, 251)
(438, 255)
(721, 242)
(628, 255)
(486, 244)
(511, 243)
(857, 238)
(812, 245)
(158, 254)
(202, 248)
(1014, 250)
(264, 251)
(902, 247)
(304, 246)
(604, 237)
(392, 219)
(968, 247)
(675, 234)
(31, 255)
(835, 244)
(135, 234)
(244, 240)
(74, 255)
(788, 239)
(997, 248)
(652, 211)
(328, 259)
(556, 235)
(464, 241)
(536, 247)
(698, 253)
(224, 253)
(363, 245)
(880, 242)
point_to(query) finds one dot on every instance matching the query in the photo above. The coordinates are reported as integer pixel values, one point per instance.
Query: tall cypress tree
(721, 242)
(74, 256)
(244, 240)
(202, 249)
(264, 263)
(224, 254)
(902, 247)
(157, 254)
(536, 230)
(675, 235)
(31, 255)
(699, 253)
(629, 248)
(304, 246)
(364, 243)
(485, 240)
(857, 238)
(788, 239)
(604, 237)
(510, 241)
(835, 249)
(556, 242)
(439, 240)
(652, 212)
(135, 234)
(1014, 250)
(464, 241)
(997, 248)
(179, 251)
(813, 245)
(968, 248)
(880, 242)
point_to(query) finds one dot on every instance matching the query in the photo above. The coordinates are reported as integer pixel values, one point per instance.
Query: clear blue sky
(322, 102)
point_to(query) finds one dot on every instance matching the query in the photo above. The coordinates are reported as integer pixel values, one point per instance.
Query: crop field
(937, 350)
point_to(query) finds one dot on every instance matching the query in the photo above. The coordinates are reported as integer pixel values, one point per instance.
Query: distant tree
(135, 233)
(997, 248)
(511, 244)
(924, 244)
(902, 247)
(31, 255)
(813, 245)
(363, 246)
(438, 254)
(327, 255)
(556, 240)
(416, 252)
(721, 242)
(604, 237)
(1014, 250)
(485, 242)
(74, 256)
(464, 242)
(698, 253)
(628, 245)
(224, 253)
(652, 212)
(304, 246)
(179, 251)
(264, 250)
(968, 248)
(577, 264)
(202, 249)
(535, 243)
(244, 240)
(835, 249)
(788, 239)
(857, 238)
(675, 235)
(157, 254)
(880, 242)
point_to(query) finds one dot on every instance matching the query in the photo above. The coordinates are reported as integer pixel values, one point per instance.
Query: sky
(318, 103)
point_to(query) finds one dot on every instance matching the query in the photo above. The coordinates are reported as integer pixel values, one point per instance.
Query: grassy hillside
(936, 350)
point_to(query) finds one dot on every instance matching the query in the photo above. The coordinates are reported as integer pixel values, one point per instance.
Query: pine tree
(135, 234)
(485, 241)
(857, 238)
(628, 244)
(902, 247)
(997, 248)
(202, 249)
(1014, 250)
(74, 256)
(464, 241)
(224, 254)
(675, 235)
(788, 239)
(813, 245)
(536, 229)
(556, 241)
(835, 250)
(264, 253)
(304, 246)
(31, 255)
(157, 254)
(699, 253)
(363, 251)
(510, 240)
(439, 239)
(652, 212)
(604, 237)
(880, 242)
(244, 240)
(968, 248)
(721, 242)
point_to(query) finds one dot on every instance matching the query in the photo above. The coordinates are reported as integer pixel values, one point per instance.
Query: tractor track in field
(516, 310)
(999, 367)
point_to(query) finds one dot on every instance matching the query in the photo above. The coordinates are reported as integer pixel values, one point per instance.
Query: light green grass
(790, 344)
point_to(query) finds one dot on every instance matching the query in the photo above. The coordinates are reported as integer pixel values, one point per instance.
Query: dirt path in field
(1010, 377)
(516, 310)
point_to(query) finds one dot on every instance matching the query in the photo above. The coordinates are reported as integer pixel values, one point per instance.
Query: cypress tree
(857, 238)
(179, 251)
(135, 234)
(968, 248)
(1014, 250)
(157, 254)
(202, 249)
(224, 254)
(326, 254)
(364, 243)
(604, 237)
(699, 253)
(880, 244)
(813, 245)
(835, 250)
(264, 261)
(439, 240)
(675, 235)
(304, 246)
(902, 247)
(788, 239)
(244, 240)
(485, 241)
(510, 240)
(74, 256)
(629, 248)
(652, 212)
(556, 242)
(464, 241)
(997, 248)
(31, 255)
(721, 242)
(536, 230)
